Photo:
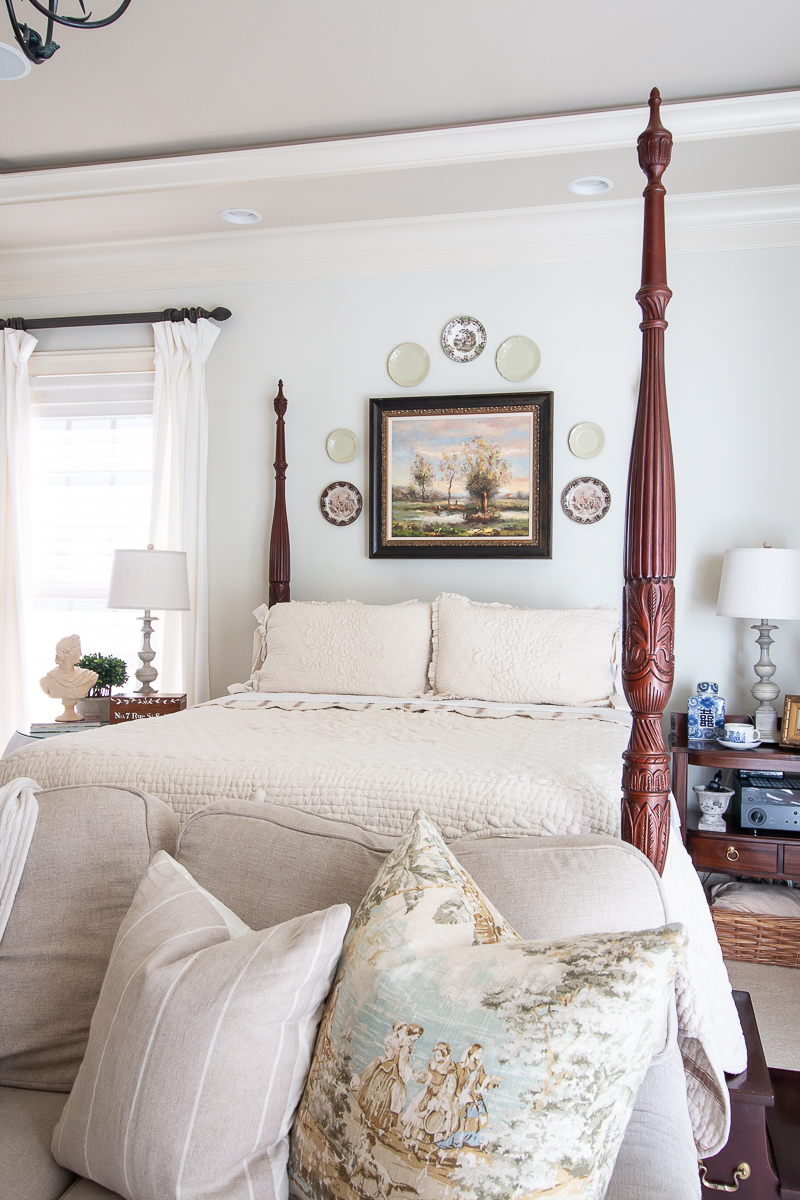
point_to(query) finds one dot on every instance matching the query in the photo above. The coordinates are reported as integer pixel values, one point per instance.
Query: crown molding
(559, 233)
(523, 138)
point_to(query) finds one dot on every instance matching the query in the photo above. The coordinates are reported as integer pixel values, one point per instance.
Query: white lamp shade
(154, 579)
(760, 583)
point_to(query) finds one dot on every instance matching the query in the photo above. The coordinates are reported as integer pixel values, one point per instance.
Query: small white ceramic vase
(712, 805)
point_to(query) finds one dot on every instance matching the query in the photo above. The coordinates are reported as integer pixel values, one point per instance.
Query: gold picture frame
(461, 476)
(790, 726)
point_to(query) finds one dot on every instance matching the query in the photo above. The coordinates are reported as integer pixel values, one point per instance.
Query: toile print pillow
(456, 1061)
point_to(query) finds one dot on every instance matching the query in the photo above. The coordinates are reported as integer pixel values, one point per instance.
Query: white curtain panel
(15, 408)
(178, 514)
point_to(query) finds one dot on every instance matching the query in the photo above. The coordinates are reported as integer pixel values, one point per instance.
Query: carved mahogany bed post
(279, 562)
(649, 599)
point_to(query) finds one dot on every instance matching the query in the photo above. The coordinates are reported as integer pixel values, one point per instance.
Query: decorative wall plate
(586, 440)
(341, 503)
(342, 445)
(518, 358)
(586, 500)
(408, 364)
(463, 339)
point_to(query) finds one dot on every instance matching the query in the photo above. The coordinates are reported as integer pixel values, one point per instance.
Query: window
(91, 449)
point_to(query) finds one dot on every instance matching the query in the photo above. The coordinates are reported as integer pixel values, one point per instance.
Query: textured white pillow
(347, 648)
(523, 655)
(199, 1046)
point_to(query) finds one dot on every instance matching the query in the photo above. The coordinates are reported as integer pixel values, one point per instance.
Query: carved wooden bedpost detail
(279, 562)
(649, 601)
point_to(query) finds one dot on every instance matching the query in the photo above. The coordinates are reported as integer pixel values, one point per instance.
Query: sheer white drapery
(178, 515)
(15, 411)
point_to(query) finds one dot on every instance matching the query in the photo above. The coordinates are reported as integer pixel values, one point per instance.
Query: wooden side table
(737, 851)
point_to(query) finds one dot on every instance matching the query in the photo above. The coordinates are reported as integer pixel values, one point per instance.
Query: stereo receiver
(767, 800)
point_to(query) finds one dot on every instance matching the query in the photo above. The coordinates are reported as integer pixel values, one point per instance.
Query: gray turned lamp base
(765, 691)
(147, 673)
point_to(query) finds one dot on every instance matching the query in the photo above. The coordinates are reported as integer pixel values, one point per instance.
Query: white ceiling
(187, 75)
(169, 97)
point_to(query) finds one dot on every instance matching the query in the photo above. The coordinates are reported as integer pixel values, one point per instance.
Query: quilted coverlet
(475, 770)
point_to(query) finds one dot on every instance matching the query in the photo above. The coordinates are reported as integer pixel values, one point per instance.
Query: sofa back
(90, 848)
(270, 863)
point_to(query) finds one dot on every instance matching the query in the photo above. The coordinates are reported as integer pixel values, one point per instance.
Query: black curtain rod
(168, 314)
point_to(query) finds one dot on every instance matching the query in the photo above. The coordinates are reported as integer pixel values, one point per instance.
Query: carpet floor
(775, 992)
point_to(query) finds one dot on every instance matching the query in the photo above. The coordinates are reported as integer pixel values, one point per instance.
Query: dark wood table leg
(745, 1165)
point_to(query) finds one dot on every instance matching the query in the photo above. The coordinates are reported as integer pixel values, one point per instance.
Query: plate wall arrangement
(463, 339)
(586, 500)
(341, 503)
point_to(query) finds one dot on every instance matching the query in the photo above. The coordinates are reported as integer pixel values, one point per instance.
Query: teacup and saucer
(740, 735)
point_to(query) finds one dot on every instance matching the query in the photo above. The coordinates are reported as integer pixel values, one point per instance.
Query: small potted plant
(111, 672)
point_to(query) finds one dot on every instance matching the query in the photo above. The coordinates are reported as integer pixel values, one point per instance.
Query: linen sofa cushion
(658, 1158)
(90, 848)
(245, 853)
(348, 648)
(199, 1046)
(28, 1170)
(511, 655)
(454, 1056)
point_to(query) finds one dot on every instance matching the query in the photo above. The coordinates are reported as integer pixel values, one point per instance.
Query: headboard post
(649, 598)
(279, 559)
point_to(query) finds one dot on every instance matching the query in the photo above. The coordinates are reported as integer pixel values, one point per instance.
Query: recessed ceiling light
(241, 216)
(590, 185)
(13, 63)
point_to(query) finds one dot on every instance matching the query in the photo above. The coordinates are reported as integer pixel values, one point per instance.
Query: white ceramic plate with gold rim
(408, 364)
(342, 445)
(518, 358)
(586, 440)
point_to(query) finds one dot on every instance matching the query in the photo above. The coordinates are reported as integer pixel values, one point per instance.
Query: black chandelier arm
(29, 41)
(75, 22)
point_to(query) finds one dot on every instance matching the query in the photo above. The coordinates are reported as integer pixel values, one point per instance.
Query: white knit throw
(19, 809)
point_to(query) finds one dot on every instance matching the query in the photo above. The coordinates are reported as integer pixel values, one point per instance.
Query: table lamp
(148, 579)
(757, 581)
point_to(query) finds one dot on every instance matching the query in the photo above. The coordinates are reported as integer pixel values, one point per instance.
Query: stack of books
(63, 727)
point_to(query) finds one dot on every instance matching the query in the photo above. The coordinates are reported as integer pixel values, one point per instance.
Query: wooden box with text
(136, 708)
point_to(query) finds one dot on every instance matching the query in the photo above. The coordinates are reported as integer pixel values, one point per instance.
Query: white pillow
(347, 648)
(199, 1046)
(523, 655)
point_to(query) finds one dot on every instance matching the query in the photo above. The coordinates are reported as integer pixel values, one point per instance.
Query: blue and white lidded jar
(706, 713)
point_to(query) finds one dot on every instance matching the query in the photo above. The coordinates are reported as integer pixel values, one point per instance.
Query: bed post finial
(279, 560)
(649, 599)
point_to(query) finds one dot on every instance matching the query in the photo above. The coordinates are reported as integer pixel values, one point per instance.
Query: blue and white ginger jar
(706, 714)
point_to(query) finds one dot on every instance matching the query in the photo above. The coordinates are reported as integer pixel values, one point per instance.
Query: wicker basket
(752, 937)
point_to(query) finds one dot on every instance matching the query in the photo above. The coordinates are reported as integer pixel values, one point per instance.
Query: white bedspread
(370, 761)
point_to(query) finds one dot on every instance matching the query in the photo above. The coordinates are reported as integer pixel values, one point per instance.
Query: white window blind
(92, 437)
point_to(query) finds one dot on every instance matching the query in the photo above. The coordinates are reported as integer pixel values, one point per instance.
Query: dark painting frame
(477, 534)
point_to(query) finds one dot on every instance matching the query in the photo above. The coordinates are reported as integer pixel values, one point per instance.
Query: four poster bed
(549, 767)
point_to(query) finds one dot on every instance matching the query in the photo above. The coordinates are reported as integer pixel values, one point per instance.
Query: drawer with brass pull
(733, 854)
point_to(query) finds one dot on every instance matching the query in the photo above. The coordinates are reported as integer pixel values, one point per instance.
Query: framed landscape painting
(461, 476)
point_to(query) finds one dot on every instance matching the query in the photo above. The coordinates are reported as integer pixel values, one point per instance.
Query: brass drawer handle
(741, 1172)
(732, 855)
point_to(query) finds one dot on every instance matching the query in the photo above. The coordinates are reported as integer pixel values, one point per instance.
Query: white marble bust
(67, 681)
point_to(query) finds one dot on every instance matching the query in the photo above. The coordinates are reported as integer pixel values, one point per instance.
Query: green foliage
(111, 672)
(423, 473)
(485, 470)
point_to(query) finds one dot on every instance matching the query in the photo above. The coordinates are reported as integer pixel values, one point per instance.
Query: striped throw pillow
(199, 1046)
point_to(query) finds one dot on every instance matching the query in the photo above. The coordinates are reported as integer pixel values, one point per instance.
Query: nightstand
(737, 852)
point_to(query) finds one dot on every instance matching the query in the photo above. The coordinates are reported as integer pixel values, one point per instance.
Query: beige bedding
(475, 769)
